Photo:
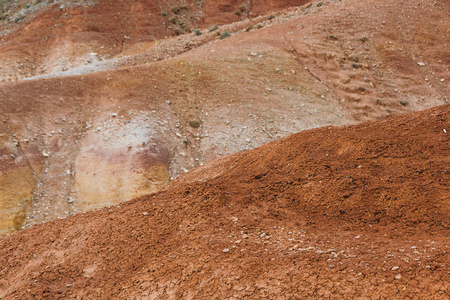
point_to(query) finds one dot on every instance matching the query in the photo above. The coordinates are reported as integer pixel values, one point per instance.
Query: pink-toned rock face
(118, 165)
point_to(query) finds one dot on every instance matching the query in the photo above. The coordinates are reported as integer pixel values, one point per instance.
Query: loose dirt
(336, 212)
(324, 63)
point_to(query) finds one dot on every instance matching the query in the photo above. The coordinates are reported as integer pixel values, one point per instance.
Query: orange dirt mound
(342, 212)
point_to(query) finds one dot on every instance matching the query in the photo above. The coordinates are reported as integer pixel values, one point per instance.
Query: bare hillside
(342, 212)
(144, 109)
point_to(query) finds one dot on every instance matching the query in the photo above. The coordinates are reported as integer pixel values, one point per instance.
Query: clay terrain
(224, 149)
(336, 212)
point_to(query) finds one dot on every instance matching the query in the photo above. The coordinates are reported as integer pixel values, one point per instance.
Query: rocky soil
(79, 139)
(270, 149)
(336, 212)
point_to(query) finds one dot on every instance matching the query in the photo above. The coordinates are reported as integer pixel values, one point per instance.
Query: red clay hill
(126, 110)
(43, 37)
(342, 212)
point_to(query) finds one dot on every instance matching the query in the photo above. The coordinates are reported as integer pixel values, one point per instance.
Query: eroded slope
(348, 212)
(160, 109)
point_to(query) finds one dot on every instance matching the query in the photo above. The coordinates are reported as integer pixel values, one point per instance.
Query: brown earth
(336, 212)
(163, 107)
(54, 37)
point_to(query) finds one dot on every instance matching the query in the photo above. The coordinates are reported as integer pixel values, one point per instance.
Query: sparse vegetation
(3, 8)
(355, 66)
(319, 4)
(178, 31)
(404, 103)
(184, 26)
(28, 5)
(213, 28)
(176, 9)
(224, 35)
(173, 20)
(270, 17)
(197, 32)
(163, 13)
(249, 28)
(240, 10)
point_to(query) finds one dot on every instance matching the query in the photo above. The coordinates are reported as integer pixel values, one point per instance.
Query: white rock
(421, 63)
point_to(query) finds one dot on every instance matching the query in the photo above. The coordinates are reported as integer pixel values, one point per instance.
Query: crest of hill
(332, 180)
(381, 172)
